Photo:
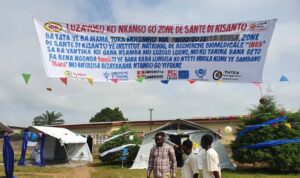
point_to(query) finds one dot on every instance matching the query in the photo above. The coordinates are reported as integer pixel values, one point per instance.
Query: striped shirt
(162, 161)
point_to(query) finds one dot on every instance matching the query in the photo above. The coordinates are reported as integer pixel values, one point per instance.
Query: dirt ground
(83, 171)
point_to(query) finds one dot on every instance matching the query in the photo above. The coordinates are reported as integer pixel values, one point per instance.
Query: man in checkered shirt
(162, 160)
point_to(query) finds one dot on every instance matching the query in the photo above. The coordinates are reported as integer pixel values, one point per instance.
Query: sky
(79, 101)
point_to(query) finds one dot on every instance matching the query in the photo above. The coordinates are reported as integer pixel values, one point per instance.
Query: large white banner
(233, 52)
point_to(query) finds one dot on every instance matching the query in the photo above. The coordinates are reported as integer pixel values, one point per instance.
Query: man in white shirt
(211, 165)
(190, 166)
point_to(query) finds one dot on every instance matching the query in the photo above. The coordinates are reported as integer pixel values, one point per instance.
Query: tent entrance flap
(60, 152)
(177, 139)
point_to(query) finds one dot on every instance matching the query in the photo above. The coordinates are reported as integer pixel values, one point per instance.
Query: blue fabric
(283, 79)
(8, 157)
(42, 163)
(271, 143)
(123, 158)
(257, 126)
(24, 148)
(164, 81)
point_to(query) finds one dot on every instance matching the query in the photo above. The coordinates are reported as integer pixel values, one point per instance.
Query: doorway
(178, 151)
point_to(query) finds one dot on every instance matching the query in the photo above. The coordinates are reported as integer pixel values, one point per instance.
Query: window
(100, 139)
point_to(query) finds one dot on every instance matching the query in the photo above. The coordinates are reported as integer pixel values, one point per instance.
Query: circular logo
(200, 73)
(53, 27)
(68, 73)
(217, 75)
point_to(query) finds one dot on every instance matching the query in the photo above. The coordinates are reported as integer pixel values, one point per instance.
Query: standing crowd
(162, 159)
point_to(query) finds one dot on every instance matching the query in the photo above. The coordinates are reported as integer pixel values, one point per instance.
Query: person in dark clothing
(90, 143)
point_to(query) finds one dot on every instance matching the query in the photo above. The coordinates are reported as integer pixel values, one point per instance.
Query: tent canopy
(65, 135)
(182, 127)
(176, 131)
(5, 128)
(62, 144)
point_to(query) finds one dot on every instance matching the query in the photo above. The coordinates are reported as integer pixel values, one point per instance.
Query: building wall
(100, 133)
(215, 126)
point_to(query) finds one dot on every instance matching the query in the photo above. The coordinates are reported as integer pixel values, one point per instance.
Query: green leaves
(114, 158)
(48, 118)
(284, 158)
(107, 115)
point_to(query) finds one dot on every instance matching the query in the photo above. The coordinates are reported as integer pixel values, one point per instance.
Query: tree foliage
(284, 158)
(107, 115)
(48, 118)
(114, 158)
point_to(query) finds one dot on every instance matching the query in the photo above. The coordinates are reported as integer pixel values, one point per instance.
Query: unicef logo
(217, 75)
(200, 73)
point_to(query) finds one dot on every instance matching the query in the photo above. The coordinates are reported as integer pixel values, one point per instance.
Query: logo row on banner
(64, 80)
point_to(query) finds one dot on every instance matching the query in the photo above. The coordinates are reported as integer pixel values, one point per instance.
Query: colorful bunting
(164, 81)
(271, 143)
(219, 82)
(114, 80)
(288, 125)
(257, 84)
(26, 77)
(283, 79)
(192, 81)
(64, 80)
(250, 128)
(140, 79)
(90, 80)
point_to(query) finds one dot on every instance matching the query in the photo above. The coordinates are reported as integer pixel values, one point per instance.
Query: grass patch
(35, 171)
(115, 171)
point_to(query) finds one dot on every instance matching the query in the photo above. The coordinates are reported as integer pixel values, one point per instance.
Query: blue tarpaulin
(42, 163)
(257, 126)
(24, 148)
(272, 143)
(8, 157)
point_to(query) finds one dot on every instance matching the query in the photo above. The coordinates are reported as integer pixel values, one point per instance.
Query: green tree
(284, 158)
(48, 118)
(114, 158)
(108, 114)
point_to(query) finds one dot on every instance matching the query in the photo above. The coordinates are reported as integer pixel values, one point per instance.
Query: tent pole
(77, 150)
(67, 153)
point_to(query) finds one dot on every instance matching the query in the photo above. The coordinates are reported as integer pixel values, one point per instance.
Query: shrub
(114, 158)
(283, 158)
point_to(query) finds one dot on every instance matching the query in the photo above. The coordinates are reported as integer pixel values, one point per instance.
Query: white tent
(176, 131)
(5, 129)
(62, 144)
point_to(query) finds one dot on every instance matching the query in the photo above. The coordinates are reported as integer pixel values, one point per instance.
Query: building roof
(120, 123)
(5, 128)
(180, 124)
